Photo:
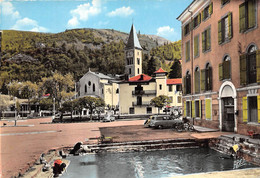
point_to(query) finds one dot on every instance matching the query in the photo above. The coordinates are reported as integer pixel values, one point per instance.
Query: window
(131, 110)
(196, 46)
(247, 15)
(187, 29)
(187, 51)
(160, 87)
(170, 87)
(102, 91)
(94, 87)
(197, 80)
(138, 71)
(250, 66)
(225, 69)
(196, 21)
(130, 71)
(117, 90)
(139, 100)
(148, 110)
(171, 99)
(178, 87)
(225, 29)
(187, 83)
(197, 108)
(206, 41)
(251, 114)
(206, 78)
(188, 108)
(138, 61)
(224, 2)
(179, 99)
(86, 89)
(207, 12)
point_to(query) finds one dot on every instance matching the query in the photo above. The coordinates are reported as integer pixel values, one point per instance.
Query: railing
(144, 92)
(144, 103)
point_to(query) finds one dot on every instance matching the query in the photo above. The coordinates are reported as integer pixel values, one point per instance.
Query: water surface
(152, 164)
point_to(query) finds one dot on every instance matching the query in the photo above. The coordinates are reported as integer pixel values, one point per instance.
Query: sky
(153, 17)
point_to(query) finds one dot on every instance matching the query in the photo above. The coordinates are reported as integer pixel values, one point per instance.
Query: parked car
(108, 118)
(164, 122)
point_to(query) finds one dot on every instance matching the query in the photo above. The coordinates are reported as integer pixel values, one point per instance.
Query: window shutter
(209, 83)
(243, 78)
(199, 18)
(202, 79)
(226, 69)
(242, 18)
(208, 39)
(184, 85)
(197, 81)
(230, 34)
(219, 32)
(202, 15)
(258, 108)
(211, 8)
(203, 41)
(193, 109)
(245, 109)
(188, 51)
(184, 108)
(251, 13)
(196, 46)
(208, 108)
(200, 108)
(258, 66)
(220, 71)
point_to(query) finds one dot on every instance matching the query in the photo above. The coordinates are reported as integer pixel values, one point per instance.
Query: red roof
(140, 78)
(160, 71)
(174, 81)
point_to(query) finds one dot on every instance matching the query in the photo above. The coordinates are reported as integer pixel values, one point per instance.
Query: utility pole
(53, 108)
(15, 111)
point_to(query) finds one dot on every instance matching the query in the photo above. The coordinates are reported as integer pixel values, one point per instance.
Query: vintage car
(160, 121)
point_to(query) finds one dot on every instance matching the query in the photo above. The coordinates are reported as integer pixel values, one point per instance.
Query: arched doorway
(228, 107)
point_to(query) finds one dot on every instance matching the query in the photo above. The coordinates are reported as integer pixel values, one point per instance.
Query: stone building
(221, 64)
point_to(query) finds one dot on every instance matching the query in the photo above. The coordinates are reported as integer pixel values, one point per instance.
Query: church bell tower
(133, 55)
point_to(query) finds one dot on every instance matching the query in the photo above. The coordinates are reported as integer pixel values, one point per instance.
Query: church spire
(133, 41)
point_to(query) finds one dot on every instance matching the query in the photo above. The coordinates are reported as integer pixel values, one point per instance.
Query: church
(133, 93)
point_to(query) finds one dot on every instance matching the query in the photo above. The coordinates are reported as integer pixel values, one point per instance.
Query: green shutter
(193, 109)
(220, 71)
(258, 108)
(208, 108)
(203, 41)
(210, 78)
(245, 109)
(208, 39)
(202, 15)
(243, 78)
(219, 32)
(196, 46)
(258, 66)
(184, 85)
(211, 8)
(242, 17)
(226, 69)
(230, 34)
(200, 108)
(184, 108)
(202, 79)
(251, 13)
(197, 81)
(199, 18)
(188, 51)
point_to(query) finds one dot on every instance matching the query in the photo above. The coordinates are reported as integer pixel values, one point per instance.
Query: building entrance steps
(204, 129)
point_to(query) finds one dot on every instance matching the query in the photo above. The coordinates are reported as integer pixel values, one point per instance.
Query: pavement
(22, 146)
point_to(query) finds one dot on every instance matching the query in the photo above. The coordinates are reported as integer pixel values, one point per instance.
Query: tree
(4, 104)
(28, 91)
(160, 101)
(153, 65)
(69, 106)
(175, 70)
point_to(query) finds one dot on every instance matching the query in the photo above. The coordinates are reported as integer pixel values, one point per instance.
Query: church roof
(160, 71)
(140, 78)
(174, 81)
(133, 41)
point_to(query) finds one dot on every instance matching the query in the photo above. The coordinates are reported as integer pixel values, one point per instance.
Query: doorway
(228, 122)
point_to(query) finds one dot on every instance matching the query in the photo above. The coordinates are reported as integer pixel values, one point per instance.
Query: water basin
(152, 164)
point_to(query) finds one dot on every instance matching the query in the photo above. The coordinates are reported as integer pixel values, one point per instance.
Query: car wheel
(179, 128)
(160, 126)
(191, 128)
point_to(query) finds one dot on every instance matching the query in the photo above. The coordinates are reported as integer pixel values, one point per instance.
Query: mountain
(32, 56)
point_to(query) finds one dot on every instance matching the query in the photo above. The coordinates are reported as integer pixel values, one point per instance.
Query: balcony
(144, 103)
(144, 92)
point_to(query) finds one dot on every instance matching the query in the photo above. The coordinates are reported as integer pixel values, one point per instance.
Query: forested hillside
(29, 56)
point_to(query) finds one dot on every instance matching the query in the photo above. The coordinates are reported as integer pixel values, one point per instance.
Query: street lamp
(15, 111)
(53, 108)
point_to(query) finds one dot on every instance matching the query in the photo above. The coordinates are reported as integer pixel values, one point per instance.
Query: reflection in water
(152, 164)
